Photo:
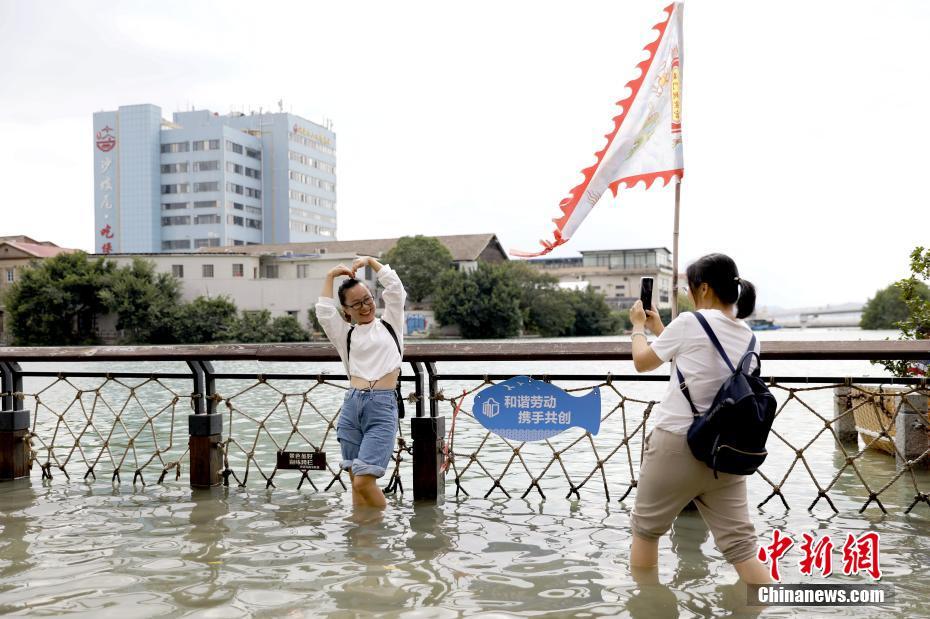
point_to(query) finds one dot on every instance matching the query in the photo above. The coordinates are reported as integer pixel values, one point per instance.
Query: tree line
(58, 302)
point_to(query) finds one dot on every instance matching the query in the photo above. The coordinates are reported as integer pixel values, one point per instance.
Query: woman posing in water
(371, 350)
(670, 476)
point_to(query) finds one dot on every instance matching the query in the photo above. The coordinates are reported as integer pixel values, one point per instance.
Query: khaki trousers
(671, 476)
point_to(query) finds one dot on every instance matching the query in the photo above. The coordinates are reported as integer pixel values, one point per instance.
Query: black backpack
(387, 325)
(731, 435)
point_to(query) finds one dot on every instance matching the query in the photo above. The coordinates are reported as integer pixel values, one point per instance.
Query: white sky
(805, 122)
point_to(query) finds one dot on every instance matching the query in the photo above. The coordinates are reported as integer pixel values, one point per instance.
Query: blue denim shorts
(367, 430)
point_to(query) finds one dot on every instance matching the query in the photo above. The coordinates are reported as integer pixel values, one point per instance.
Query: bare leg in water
(365, 491)
(645, 556)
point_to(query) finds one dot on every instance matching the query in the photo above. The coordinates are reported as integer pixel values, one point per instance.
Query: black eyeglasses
(358, 305)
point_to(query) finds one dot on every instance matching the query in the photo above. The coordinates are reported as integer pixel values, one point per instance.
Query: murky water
(100, 549)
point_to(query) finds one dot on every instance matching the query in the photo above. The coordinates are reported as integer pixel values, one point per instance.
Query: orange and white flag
(645, 143)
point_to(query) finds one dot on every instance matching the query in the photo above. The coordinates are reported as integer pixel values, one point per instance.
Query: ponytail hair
(746, 303)
(720, 273)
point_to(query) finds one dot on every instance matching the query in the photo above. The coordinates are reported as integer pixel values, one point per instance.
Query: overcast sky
(805, 123)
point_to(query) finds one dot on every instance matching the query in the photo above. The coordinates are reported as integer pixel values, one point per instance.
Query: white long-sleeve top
(374, 352)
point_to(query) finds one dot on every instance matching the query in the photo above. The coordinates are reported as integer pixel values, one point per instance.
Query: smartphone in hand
(645, 292)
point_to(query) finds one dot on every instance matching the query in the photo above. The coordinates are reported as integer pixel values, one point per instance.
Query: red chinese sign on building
(105, 139)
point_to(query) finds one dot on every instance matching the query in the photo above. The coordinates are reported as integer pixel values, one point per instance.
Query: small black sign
(302, 460)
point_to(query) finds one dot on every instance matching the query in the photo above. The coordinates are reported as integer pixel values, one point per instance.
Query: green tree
(484, 303)
(287, 329)
(56, 301)
(916, 324)
(419, 261)
(592, 314)
(144, 302)
(252, 327)
(545, 308)
(888, 307)
(202, 321)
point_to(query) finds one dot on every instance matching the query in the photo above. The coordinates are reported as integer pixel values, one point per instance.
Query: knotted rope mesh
(138, 426)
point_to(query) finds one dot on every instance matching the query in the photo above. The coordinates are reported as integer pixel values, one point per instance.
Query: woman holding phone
(670, 476)
(371, 350)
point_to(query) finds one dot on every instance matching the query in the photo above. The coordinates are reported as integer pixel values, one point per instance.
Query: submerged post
(205, 427)
(844, 424)
(428, 434)
(14, 425)
(911, 432)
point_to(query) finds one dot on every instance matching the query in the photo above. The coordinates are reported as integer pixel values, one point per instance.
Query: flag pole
(675, 251)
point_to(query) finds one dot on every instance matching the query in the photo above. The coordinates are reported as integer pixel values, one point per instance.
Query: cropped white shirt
(374, 353)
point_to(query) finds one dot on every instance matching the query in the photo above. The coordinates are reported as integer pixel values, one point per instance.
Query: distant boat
(761, 324)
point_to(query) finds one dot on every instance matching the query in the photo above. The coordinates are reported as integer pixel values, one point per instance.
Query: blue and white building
(205, 180)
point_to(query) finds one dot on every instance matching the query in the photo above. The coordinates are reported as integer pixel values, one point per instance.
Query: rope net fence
(135, 430)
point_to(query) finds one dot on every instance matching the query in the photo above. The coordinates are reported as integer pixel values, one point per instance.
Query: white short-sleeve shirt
(685, 343)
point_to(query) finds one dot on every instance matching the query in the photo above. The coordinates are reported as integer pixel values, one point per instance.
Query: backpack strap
(715, 341)
(750, 351)
(349, 349)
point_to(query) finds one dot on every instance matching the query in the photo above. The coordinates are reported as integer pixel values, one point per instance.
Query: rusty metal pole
(14, 425)
(205, 427)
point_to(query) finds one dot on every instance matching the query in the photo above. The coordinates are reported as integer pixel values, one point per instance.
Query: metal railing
(124, 422)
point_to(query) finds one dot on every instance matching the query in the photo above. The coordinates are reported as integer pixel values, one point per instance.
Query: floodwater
(96, 548)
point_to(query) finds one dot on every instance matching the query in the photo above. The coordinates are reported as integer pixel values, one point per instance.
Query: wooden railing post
(911, 432)
(205, 427)
(844, 424)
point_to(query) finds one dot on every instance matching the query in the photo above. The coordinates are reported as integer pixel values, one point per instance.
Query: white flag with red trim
(645, 143)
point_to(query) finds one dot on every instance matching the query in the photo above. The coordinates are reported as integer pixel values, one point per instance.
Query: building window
(169, 245)
(174, 206)
(310, 162)
(253, 223)
(207, 270)
(198, 243)
(253, 210)
(234, 168)
(237, 242)
(10, 275)
(212, 186)
(232, 146)
(173, 168)
(176, 220)
(206, 204)
(270, 271)
(234, 188)
(302, 271)
(206, 144)
(176, 188)
(254, 154)
(207, 219)
(175, 147)
(253, 173)
(238, 270)
(177, 270)
(206, 166)
(235, 220)
(253, 193)
(306, 198)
